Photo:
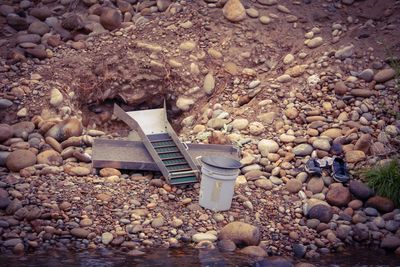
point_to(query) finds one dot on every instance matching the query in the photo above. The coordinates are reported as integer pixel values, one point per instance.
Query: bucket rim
(221, 162)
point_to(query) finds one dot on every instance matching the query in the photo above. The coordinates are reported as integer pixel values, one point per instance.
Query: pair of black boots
(337, 165)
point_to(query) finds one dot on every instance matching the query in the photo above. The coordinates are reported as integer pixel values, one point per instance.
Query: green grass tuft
(385, 180)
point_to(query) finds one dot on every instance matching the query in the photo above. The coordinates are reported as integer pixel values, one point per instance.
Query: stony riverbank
(328, 90)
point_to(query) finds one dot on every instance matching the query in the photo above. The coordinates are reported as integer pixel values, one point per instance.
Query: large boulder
(382, 204)
(360, 190)
(241, 233)
(20, 159)
(234, 11)
(50, 157)
(111, 19)
(65, 129)
(321, 212)
(338, 195)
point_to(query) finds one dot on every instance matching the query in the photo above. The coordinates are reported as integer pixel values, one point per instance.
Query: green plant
(385, 180)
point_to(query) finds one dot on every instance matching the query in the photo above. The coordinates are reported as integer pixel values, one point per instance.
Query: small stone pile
(39, 29)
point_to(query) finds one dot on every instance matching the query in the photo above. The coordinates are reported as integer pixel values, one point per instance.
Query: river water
(188, 257)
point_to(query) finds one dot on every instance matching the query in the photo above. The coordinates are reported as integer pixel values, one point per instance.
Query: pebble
(106, 238)
(266, 146)
(252, 12)
(288, 59)
(265, 20)
(322, 144)
(56, 98)
(203, 236)
(80, 232)
(234, 11)
(209, 83)
(302, 150)
(315, 42)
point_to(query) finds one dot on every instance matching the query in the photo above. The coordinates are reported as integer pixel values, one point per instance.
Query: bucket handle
(185, 146)
(198, 159)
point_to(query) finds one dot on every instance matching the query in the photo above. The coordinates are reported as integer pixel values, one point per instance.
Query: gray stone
(38, 27)
(12, 242)
(17, 22)
(302, 150)
(371, 211)
(28, 38)
(345, 52)
(266, 146)
(343, 231)
(322, 144)
(360, 190)
(367, 75)
(392, 225)
(299, 250)
(5, 103)
(321, 212)
(157, 222)
(6, 9)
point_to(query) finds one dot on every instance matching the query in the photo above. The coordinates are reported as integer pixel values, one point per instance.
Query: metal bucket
(218, 176)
